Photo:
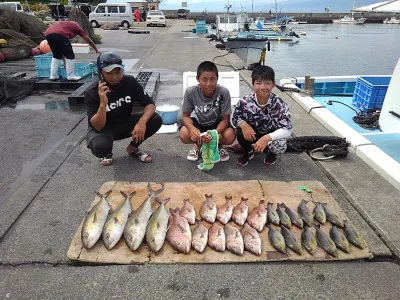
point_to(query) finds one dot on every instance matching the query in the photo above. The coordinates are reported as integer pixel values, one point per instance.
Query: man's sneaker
(269, 158)
(243, 160)
(223, 155)
(193, 155)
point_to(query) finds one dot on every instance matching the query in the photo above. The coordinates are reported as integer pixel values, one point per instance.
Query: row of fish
(133, 225)
(174, 226)
(217, 237)
(233, 239)
(262, 215)
(285, 217)
(156, 227)
(330, 243)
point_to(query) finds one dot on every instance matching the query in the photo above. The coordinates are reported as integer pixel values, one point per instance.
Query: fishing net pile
(79, 16)
(21, 31)
(12, 91)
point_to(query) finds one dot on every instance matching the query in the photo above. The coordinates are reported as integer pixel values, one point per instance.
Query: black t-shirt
(120, 101)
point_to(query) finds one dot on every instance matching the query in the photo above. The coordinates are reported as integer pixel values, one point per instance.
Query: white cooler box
(230, 80)
(80, 48)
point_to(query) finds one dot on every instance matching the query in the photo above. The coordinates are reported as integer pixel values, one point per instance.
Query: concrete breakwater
(310, 17)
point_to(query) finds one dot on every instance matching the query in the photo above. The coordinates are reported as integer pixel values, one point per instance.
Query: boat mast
(228, 7)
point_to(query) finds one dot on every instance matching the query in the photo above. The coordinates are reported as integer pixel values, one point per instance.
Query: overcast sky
(266, 5)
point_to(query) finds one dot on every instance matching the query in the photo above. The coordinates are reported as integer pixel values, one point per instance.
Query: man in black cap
(109, 110)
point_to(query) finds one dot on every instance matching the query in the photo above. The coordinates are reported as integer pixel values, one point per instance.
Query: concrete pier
(48, 178)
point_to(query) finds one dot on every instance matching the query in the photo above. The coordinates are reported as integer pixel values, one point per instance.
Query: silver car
(156, 17)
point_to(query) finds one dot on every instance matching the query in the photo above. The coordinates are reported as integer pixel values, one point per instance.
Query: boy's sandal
(142, 156)
(193, 155)
(105, 161)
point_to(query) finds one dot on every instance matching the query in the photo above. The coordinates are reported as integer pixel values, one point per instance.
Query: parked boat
(227, 23)
(348, 106)
(246, 46)
(272, 36)
(392, 20)
(270, 24)
(296, 22)
(349, 20)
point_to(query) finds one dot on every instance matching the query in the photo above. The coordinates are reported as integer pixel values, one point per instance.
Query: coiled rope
(330, 146)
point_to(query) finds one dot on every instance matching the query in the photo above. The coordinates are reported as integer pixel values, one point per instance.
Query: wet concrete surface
(226, 281)
(43, 120)
(40, 218)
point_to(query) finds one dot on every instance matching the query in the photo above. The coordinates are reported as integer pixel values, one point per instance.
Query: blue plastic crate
(43, 61)
(370, 91)
(42, 72)
(200, 22)
(201, 30)
(81, 69)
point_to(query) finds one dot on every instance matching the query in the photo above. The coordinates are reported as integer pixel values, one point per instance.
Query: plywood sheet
(271, 191)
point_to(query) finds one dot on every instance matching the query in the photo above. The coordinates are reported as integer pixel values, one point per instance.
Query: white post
(387, 120)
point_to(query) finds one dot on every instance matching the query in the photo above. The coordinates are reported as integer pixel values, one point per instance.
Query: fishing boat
(270, 24)
(363, 109)
(350, 19)
(228, 23)
(392, 20)
(246, 46)
(273, 35)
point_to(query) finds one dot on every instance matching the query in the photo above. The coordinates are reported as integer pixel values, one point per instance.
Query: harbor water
(336, 49)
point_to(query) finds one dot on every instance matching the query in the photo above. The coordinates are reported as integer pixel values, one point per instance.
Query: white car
(156, 17)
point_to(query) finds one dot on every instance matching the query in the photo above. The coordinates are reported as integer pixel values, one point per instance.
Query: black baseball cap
(108, 61)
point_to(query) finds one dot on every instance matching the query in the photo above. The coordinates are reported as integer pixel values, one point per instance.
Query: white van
(116, 13)
(14, 6)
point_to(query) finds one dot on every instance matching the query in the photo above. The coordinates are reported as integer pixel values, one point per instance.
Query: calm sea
(370, 49)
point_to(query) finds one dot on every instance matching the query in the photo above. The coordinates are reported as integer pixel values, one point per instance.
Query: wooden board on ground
(255, 190)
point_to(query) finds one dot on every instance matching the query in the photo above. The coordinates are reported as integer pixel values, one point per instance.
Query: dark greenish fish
(276, 239)
(353, 235)
(325, 242)
(339, 239)
(332, 216)
(308, 240)
(319, 213)
(305, 214)
(272, 215)
(294, 216)
(283, 217)
(291, 241)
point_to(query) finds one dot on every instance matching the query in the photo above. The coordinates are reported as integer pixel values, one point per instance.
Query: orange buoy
(44, 47)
